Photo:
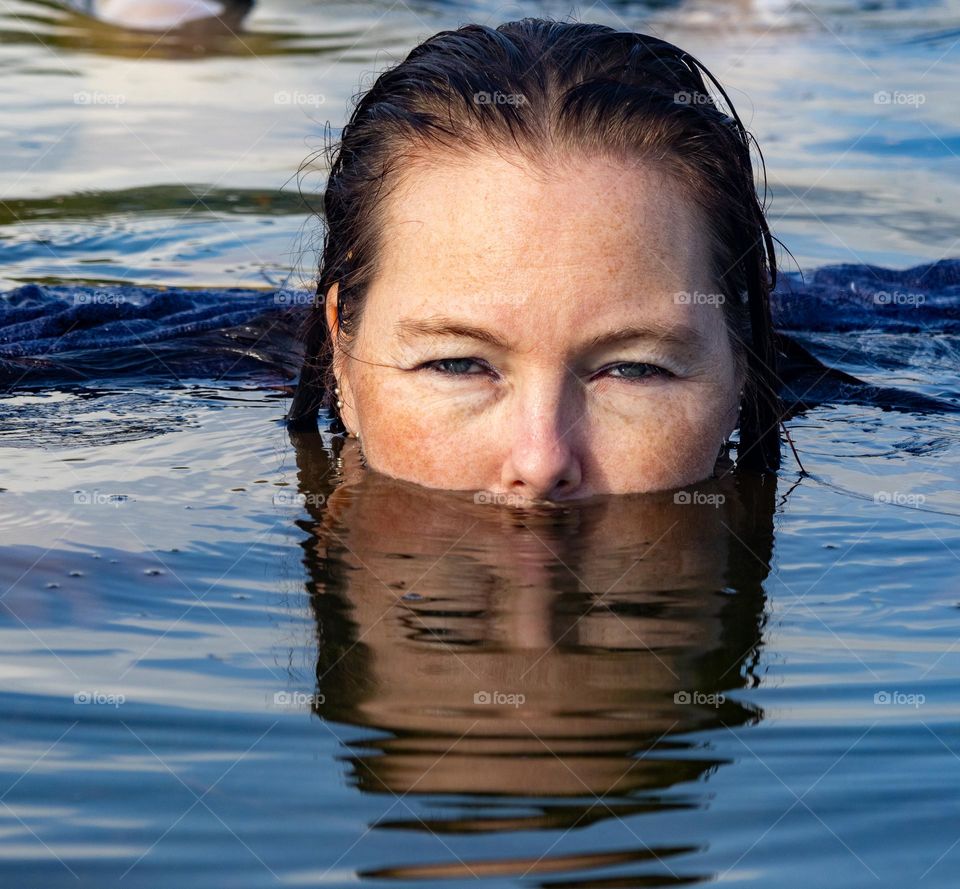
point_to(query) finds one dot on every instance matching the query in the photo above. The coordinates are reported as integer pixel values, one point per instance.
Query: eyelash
(436, 367)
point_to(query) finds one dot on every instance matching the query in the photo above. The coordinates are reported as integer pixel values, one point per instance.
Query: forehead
(492, 233)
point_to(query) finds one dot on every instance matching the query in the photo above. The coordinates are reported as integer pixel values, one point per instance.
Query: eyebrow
(440, 326)
(670, 334)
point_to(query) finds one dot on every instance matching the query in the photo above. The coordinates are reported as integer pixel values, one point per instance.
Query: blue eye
(468, 367)
(634, 370)
(457, 367)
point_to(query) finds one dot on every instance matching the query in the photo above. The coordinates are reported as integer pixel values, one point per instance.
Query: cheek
(424, 439)
(669, 440)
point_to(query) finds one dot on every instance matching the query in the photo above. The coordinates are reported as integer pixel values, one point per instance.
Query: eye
(457, 367)
(634, 370)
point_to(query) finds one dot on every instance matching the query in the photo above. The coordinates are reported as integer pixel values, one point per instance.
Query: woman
(546, 271)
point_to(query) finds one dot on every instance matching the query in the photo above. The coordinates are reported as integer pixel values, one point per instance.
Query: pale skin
(529, 335)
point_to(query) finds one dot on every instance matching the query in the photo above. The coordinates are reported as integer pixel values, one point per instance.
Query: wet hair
(549, 91)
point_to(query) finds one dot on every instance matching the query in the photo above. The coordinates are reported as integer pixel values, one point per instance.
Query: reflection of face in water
(531, 653)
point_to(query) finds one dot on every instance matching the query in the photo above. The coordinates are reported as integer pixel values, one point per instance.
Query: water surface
(233, 658)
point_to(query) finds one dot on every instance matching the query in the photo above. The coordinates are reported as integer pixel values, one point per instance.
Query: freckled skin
(547, 264)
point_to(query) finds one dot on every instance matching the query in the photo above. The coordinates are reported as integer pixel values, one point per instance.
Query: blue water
(231, 658)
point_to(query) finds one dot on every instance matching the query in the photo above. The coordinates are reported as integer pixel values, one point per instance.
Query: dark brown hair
(551, 90)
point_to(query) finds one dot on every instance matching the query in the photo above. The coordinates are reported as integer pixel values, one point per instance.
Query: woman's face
(540, 337)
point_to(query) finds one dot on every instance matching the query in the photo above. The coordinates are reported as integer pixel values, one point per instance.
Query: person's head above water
(546, 270)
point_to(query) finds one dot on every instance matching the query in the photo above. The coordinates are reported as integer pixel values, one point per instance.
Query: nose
(543, 460)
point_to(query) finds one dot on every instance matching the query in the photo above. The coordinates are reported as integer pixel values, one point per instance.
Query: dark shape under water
(165, 15)
(130, 30)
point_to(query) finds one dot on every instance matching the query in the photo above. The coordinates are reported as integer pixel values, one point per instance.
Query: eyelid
(433, 363)
(658, 370)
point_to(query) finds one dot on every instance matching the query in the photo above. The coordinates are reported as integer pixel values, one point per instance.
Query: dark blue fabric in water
(865, 297)
(56, 333)
(40, 321)
(82, 334)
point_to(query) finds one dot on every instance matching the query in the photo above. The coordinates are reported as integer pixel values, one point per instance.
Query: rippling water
(231, 658)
